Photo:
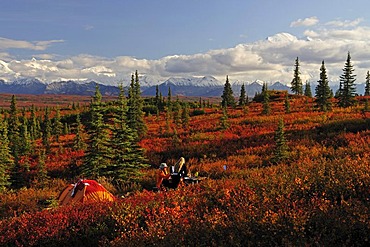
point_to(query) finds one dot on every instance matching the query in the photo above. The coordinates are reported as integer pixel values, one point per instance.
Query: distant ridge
(206, 86)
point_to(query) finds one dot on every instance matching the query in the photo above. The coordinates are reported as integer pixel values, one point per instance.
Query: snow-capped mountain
(282, 38)
(147, 81)
(206, 86)
(206, 81)
(78, 88)
(23, 86)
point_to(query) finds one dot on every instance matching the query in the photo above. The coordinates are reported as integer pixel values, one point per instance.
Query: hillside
(318, 192)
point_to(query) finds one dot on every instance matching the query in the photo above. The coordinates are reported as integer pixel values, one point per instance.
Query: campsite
(316, 192)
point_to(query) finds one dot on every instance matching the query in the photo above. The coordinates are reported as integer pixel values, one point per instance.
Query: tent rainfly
(84, 191)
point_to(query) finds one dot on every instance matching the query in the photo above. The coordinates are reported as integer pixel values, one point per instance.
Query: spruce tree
(14, 130)
(224, 123)
(6, 159)
(157, 99)
(42, 173)
(323, 93)
(78, 140)
(266, 109)
(347, 90)
(281, 148)
(169, 98)
(98, 155)
(25, 136)
(66, 130)
(34, 125)
(46, 131)
(242, 98)
(168, 122)
(307, 90)
(297, 82)
(185, 116)
(57, 125)
(177, 112)
(135, 114)
(367, 84)
(227, 96)
(128, 156)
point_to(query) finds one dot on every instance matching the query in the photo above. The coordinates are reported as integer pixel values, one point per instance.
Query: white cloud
(346, 23)
(310, 21)
(88, 27)
(21, 44)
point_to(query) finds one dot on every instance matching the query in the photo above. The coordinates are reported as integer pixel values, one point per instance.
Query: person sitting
(162, 176)
(180, 167)
(180, 172)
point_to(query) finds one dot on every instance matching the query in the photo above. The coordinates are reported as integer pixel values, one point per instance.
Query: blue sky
(108, 40)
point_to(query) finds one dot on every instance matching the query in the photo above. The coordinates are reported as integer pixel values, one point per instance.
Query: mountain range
(206, 86)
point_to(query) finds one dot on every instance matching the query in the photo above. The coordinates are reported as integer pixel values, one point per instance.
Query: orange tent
(84, 191)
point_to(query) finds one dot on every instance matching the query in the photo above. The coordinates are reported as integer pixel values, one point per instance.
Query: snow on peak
(282, 38)
(205, 81)
(26, 81)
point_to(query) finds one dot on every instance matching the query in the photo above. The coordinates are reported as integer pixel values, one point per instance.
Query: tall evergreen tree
(157, 99)
(224, 123)
(264, 88)
(6, 159)
(227, 95)
(322, 91)
(14, 130)
(297, 82)
(169, 98)
(25, 136)
(34, 125)
(185, 116)
(78, 140)
(128, 156)
(46, 131)
(98, 155)
(367, 84)
(168, 122)
(281, 148)
(266, 109)
(42, 173)
(97, 98)
(307, 90)
(57, 125)
(242, 98)
(135, 114)
(347, 90)
(177, 112)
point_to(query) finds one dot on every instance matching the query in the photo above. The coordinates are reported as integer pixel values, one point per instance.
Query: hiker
(162, 176)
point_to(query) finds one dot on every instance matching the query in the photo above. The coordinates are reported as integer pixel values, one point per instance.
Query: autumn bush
(268, 208)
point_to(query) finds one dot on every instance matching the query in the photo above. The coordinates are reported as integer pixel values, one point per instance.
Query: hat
(162, 166)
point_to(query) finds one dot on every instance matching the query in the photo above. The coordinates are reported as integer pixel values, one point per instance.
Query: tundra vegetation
(297, 168)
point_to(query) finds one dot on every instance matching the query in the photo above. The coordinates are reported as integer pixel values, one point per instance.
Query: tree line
(323, 94)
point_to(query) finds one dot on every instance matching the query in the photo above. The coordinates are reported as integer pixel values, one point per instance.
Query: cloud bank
(269, 60)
